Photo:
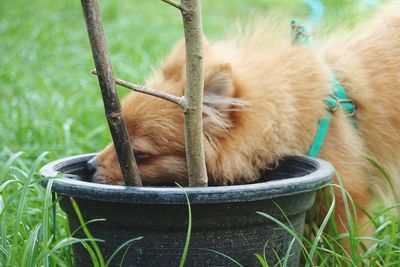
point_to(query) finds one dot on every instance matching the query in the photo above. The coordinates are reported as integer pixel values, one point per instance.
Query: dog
(263, 100)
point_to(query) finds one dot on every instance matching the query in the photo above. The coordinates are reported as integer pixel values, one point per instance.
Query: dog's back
(368, 65)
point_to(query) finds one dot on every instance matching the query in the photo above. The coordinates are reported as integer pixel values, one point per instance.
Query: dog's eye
(140, 156)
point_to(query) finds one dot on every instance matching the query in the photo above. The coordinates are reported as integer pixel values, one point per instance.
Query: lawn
(49, 102)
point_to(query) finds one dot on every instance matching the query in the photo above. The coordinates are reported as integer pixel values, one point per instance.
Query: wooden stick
(194, 93)
(141, 89)
(112, 106)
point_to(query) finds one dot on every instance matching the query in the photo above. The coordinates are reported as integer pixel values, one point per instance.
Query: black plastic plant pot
(225, 222)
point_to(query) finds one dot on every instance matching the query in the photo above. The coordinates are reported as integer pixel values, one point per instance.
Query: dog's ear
(219, 99)
(218, 86)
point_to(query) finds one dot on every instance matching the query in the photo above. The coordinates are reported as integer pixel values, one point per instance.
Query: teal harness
(337, 99)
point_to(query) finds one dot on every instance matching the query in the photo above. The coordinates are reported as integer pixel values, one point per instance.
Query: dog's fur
(263, 100)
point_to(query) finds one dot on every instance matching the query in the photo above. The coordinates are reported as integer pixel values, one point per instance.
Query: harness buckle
(348, 105)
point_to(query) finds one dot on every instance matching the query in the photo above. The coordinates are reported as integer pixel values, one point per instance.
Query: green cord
(338, 98)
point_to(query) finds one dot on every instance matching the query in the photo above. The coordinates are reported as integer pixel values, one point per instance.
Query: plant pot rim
(321, 176)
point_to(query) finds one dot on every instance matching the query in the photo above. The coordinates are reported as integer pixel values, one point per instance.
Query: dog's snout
(91, 166)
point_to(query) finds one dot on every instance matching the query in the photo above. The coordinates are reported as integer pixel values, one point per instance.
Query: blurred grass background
(49, 101)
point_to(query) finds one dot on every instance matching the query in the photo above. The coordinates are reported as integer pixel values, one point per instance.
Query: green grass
(50, 102)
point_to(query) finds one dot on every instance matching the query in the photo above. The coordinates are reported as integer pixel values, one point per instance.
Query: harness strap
(337, 99)
(319, 138)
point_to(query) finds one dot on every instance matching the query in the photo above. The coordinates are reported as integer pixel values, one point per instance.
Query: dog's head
(156, 127)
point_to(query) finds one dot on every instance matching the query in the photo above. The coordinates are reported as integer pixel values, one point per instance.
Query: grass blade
(282, 225)
(22, 203)
(45, 218)
(189, 230)
(286, 258)
(98, 257)
(261, 260)
(92, 253)
(223, 255)
(351, 220)
(320, 230)
(27, 257)
(121, 247)
(389, 179)
(68, 241)
(87, 223)
(7, 165)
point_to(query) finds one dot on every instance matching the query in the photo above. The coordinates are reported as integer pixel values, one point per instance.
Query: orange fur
(263, 100)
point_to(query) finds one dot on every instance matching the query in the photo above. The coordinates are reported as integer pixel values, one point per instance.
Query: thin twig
(112, 106)
(174, 4)
(141, 89)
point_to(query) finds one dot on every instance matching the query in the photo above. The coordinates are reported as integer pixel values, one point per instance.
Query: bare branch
(194, 93)
(148, 91)
(191, 102)
(112, 106)
(174, 4)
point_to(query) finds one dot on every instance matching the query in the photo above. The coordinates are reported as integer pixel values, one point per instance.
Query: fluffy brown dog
(263, 100)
